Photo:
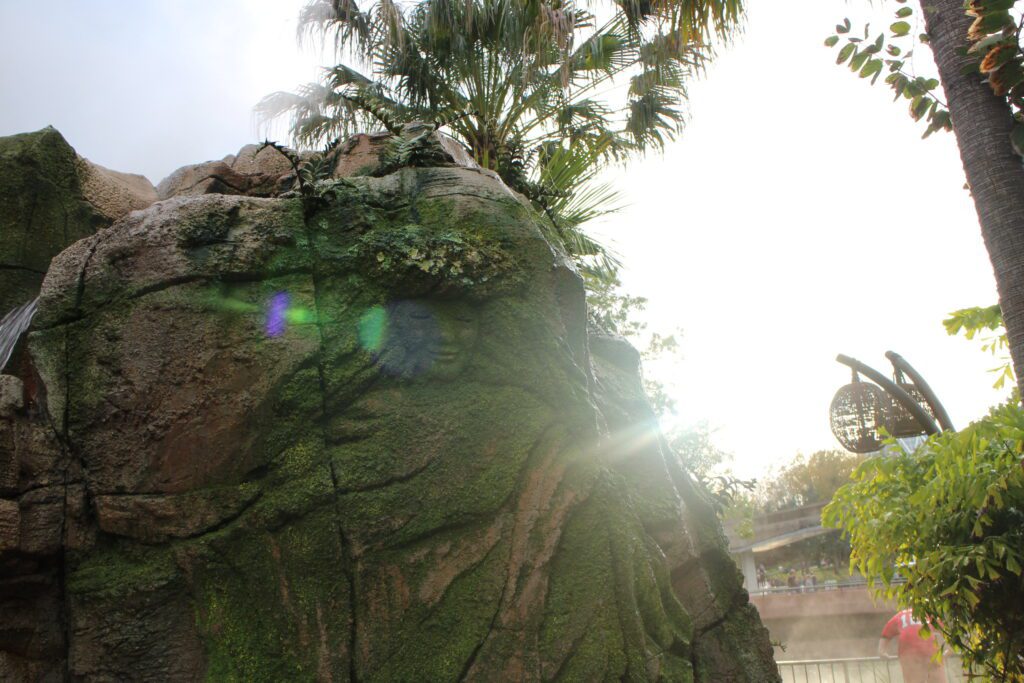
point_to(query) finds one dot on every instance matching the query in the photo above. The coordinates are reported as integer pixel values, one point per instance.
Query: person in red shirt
(916, 653)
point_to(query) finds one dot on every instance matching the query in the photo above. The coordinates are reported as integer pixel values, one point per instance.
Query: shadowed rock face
(364, 438)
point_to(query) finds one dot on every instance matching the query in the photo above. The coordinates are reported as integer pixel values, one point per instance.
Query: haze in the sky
(799, 215)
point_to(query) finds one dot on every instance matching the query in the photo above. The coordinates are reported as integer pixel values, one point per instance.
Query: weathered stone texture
(365, 435)
(32, 516)
(112, 193)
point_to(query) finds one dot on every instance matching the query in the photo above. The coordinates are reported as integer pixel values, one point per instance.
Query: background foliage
(949, 517)
(805, 480)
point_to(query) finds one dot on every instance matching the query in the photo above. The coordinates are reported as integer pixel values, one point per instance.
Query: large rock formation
(50, 198)
(362, 433)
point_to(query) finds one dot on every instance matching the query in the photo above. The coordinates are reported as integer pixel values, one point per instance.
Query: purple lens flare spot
(276, 314)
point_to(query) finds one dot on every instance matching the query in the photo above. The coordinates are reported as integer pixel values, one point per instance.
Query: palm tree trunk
(982, 124)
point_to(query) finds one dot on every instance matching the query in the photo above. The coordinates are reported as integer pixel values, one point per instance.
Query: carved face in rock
(422, 338)
(390, 473)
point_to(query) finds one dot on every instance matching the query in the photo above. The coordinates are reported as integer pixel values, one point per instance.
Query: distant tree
(698, 451)
(614, 310)
(710, 466)
(807, 480)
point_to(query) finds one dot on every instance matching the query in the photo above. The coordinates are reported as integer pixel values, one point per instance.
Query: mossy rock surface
(369, 438)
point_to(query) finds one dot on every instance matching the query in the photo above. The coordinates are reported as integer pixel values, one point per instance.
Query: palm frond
(654, 119)
(534, 89)
(349, 25)
(584, 205)
(341, 75)
(702, 20)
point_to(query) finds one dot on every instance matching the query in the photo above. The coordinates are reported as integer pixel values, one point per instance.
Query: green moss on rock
(119, 570)
(271, 606)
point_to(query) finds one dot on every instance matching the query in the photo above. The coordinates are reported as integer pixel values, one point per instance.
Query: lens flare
(227, 304)
(296, 315)
(277, 314)
(373, 328)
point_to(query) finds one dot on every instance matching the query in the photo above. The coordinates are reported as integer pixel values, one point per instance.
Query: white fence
(859, 670)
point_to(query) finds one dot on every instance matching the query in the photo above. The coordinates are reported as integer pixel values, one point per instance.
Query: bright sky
(799, 216)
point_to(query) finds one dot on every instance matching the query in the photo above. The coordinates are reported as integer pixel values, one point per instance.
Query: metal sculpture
(856, 413)
(904, 408)
(899, 421)
(899, 363)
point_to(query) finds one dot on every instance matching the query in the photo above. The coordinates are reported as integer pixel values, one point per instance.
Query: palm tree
(530, 89)
(982, 123)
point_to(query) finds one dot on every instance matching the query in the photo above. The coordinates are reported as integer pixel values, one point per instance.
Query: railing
(856, 670)
(830, 585)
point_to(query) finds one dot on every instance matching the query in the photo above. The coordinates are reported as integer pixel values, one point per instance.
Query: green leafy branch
(949, 517)
(988, 319)
(889, 53)
(994, 43)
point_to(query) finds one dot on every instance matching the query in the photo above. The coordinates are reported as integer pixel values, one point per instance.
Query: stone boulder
(367, 154)
(360, 155)
(112, 193)
(254, 171)
(262, 171)
(49, 198)
(362, 436)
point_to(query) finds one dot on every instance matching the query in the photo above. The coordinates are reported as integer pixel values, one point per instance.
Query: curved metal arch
(890, 387)
(900, 363)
